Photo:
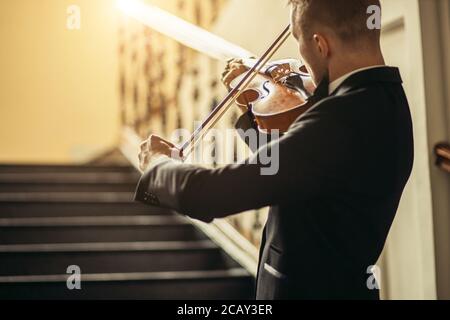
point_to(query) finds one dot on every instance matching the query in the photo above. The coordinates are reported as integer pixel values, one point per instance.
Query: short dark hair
(347, 18)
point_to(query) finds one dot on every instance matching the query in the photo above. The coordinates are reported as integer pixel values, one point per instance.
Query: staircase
(53, 217)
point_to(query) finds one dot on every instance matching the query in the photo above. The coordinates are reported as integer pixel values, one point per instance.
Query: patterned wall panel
(165, 86)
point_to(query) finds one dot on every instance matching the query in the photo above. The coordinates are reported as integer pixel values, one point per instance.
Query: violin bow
(231, 97)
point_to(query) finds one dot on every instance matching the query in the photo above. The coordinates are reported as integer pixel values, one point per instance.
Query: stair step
(69, 177)
(67, 187)
(11, 209)
(12, 168)
(53, 217)
(107, 246)
(94, 221)
(206, 284)
(67, 182)
(97, 229)
(67, 197)
(44, 259)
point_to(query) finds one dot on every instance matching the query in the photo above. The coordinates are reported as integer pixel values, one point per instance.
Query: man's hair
(346, 18)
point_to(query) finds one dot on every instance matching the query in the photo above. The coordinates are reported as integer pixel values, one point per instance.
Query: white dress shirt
(336, 83)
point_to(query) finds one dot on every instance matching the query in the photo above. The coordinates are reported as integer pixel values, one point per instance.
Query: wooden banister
(169, 75)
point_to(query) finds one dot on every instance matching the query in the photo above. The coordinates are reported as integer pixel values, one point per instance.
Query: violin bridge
(281, 71)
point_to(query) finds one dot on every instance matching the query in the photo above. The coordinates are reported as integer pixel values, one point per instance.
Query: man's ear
(322, 45)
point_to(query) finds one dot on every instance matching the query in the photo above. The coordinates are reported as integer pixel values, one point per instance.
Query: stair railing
(169, 70)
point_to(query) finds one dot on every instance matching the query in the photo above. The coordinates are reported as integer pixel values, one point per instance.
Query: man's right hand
(155, 147)
(234, 68)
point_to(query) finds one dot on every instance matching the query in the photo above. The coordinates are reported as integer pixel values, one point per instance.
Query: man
(342, 166)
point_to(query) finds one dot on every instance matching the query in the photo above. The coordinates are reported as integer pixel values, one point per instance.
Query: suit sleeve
(292, 165)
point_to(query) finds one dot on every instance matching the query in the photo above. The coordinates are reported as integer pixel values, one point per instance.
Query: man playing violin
(343, 164)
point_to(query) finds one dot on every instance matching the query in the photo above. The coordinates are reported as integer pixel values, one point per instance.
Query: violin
(265, 92)
(272, 98)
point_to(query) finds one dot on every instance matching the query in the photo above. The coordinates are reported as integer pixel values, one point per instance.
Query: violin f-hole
(265, 86)
(248, 97)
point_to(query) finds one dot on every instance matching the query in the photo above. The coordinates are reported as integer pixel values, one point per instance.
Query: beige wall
(408, 270)
(270, 18)
(58, 88)
(416, 255)
(435, 17)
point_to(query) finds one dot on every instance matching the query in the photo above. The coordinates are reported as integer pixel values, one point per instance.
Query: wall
(408, 269)
(257, 31)
(58, 88)
(416, 264)
(435, 16)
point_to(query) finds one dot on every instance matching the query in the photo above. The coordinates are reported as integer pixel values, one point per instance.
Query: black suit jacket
(342, 169)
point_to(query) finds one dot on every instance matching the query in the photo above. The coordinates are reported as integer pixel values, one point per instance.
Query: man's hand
(153, 148)
(234, 69)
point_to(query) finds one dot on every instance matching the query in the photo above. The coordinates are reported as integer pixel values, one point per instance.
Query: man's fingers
(153, 142)
(156, 141)
(143, 160)
(228, 77)
(142, 156)
(170, 144)
(155, 145)
(176, 153)
(225, 73)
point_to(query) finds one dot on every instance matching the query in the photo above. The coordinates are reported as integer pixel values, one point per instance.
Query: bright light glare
(182, 31)
(125, 5)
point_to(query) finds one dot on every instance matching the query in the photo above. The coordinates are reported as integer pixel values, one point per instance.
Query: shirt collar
(333, 86)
